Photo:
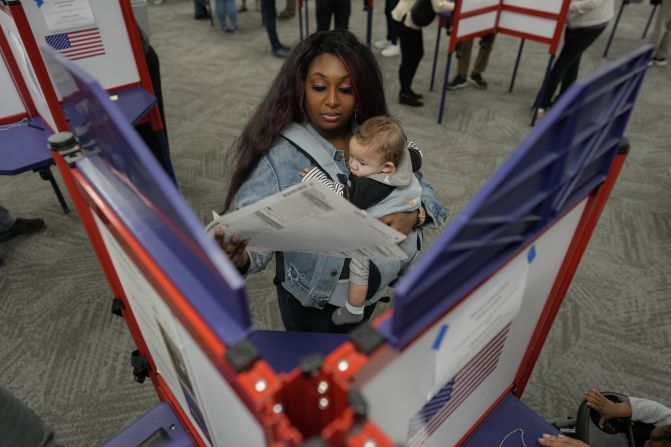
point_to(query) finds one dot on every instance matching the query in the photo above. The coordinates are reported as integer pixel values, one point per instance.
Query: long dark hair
(283, 103)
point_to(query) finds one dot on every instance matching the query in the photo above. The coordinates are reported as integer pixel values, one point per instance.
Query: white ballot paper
(63, 15)
(309, 217)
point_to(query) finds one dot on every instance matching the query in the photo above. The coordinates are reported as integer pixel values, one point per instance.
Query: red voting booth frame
(458, 16)
(279, 430)
(15, 10)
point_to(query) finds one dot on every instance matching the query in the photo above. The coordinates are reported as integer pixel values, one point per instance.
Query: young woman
(329, 84)
(586, 21)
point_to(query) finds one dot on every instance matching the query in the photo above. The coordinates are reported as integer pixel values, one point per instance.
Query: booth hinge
(311, 364)
(314, 441)
(242, 355)
(117, 306)
(366, 339)
(67, 145)
(140, 366)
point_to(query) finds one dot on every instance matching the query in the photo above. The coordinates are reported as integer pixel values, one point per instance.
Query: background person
(586, 21)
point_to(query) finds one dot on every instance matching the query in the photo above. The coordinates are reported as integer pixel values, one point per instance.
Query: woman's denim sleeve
(436, 213)
(261, 183)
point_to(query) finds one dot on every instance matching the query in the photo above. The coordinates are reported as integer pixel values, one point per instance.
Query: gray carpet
(65, 355)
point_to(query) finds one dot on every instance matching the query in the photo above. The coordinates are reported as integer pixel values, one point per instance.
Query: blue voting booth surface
(491, 283)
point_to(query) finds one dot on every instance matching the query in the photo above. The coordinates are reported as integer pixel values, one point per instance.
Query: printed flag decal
(76, 45)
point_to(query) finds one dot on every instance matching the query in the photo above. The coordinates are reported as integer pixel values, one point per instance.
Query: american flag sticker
(456, 391)
(77, 45)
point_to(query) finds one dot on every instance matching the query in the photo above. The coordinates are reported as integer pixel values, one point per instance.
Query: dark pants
(297, 317)
(269, 16)
(412, 51)
(565, 69)
(392, 25)
(339, 9)
(200, 8)
(20, 426)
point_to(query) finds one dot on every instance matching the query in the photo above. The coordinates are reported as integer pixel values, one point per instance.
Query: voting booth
(537, 20)
(445, 366)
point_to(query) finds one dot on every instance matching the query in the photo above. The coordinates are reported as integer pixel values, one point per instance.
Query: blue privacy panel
(564, 158)
(133, 184)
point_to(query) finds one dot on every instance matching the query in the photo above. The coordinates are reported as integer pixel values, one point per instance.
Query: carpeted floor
(67, 356)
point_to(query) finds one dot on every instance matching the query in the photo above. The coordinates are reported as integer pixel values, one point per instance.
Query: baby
(383, 182)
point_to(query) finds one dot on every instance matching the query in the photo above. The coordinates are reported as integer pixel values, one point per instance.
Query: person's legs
(269, 14)
(464, 58)
(323, 12)
(232, 12)
(341, 13)
(586, 37)
(6, 219)
(486, 45)
(662, 33)
(297, 317)
(220, 8)
(392, 25)
(412, 51)
(20, 426)
(200, 10)
(289, 10)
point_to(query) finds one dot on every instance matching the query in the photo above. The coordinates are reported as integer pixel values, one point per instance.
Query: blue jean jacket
(312, 278)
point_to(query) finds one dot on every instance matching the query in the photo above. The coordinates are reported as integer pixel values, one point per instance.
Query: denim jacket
(311, 278)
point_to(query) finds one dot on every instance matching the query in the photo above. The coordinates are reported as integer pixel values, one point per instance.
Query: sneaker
(201, 16)
(415, 94)
(382, 44)
(409, 100)
(281, 51)
(235, 29)
(391, 50)
(285, 15)
(457, 83)
(242, 8)
(22, 226)
(661, 61)
(477, 81)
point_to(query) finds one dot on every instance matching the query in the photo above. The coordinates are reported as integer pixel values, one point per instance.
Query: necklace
(505, 438)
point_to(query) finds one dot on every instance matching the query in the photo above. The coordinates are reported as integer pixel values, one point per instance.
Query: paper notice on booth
(309, 217)
(478, 319)
(65, 15)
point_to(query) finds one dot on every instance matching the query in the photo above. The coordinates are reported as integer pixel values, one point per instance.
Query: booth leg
(45, 174)
(435, 57)
(517, 64)
(647, 25)
(369, 25)
(542, 91)
(612, 32)
(444, 94)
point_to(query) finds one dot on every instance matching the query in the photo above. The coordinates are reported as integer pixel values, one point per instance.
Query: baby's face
(363, 161)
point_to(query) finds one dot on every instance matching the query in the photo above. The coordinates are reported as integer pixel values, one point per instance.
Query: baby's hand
(304, 172)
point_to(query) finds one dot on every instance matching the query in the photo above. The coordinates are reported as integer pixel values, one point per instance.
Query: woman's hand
(402, 221)
(234, 248)
(605, 407)
(560, 441)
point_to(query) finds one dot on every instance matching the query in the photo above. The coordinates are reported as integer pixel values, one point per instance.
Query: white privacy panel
(536, 26)
(472, 5)
(102, 48)
(26, 68)
(472, 25)
(550, 6)
(10, 101)
(413, 400)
